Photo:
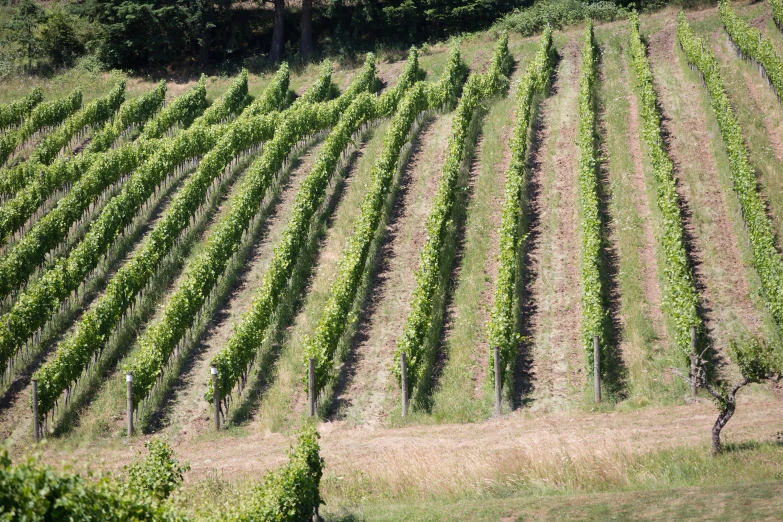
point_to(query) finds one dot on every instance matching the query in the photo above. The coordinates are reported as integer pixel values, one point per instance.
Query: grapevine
(32, 308)
(748, 41)
(233, 361)
(181, 112)
(19, 263)
(46, 114)
(500, 330)
(681, 299)
(594, 310)
(352, 264)
(134, 112)
(766, 257)
(93, 113)
(419, 319)
(45, 180)
(96, 325)
(14, 113)
(777, 12)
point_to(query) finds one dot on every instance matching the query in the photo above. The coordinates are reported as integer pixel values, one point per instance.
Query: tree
(307, 29)
(23, 27)
(58, 36)
(757, 362)
(276, 52)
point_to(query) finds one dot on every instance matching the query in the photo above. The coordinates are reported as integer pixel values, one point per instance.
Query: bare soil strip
(367, 397)
(552, 301)
(697, 150)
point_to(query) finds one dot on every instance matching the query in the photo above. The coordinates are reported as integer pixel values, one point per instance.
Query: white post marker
(216, 397)
(129, 382)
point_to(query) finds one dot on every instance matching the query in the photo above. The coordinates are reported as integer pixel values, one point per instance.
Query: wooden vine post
(404, 382)
(498, 383)
(216, 397)
(311, 385)
(36, 422)
(597, 368)
(129, 383)
(694, 369)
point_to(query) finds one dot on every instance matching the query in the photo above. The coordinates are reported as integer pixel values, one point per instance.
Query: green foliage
(23, 28)
(159, 340)
(182, 111)
(153, 161)
(94, 113)
(134, 112)
(749, 41)
(777, 11)
(756, 359)
(159, 473)
(58, 36)
(500, 329)
(681, 298)
(36, 492)
(766, 257)
(233, 361)
(419, 321)
(92, 331)
(558, 14)
(594, 309)
(342, 293)
(288, 494)
(14, 113)
(46, 114)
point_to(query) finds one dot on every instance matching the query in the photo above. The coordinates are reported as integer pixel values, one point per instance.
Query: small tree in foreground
(757, 362)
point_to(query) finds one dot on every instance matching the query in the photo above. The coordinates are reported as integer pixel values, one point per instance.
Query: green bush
(558, 14)
(159, 473)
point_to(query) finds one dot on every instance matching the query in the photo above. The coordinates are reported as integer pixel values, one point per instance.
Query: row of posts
(403, 383)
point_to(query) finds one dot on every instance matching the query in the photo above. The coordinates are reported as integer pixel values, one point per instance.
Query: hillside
(251, 235)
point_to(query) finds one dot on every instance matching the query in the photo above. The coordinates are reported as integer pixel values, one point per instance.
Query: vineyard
(474, 242)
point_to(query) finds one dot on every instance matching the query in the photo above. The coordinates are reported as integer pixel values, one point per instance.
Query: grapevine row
(342, 294)
(92, 331)
(134, 112)
(93, 113)
(234, 360)
(766, 257)
(198, 281)
(17, 265)
(594, 310)
(14, 113)
(749, 42)
(500, 329)
(419, 319)
(33, 307)
(777, 12)
(46, 114)
(48, 179)
(182, 111)
(681, 299)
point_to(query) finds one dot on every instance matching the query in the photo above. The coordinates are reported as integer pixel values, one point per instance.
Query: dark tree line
(131, 34)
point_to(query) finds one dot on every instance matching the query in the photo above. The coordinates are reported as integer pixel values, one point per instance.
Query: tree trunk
(204, 49)
(276, 53)
(307, 29)
(723, 418)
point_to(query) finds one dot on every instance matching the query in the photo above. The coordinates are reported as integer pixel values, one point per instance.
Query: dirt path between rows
(365, 400)
(720, 272)
(552, 301)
